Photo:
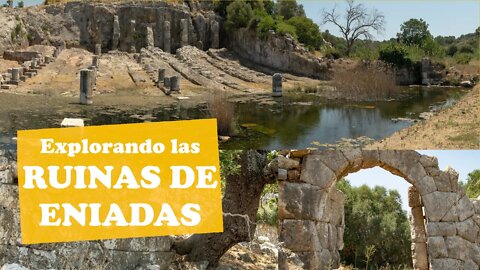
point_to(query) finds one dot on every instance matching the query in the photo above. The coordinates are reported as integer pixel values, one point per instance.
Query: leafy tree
(374, 220)
(307, 31)
(359, 22)
(414, 32)
(394, 53)
(473, 184)
(289, 9)
(239, 14)
(20, 4)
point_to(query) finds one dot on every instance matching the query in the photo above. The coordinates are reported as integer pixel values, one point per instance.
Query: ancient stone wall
(280, 53)
(311, 208)
(133, 253)
(130, 27)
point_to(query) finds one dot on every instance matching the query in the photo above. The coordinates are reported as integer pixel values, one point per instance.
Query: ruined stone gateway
(312, 216)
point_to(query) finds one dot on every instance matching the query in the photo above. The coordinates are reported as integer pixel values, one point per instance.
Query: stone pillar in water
(215, 31)
(95, 61)
(277, 85)
(86, 86)
(149, 37)
(115, 33)
(167, 36)
(174, 84)
(98, 49)
(426, 68)
(161, 76)
(417, 227)
(184, 27)
(15, 76)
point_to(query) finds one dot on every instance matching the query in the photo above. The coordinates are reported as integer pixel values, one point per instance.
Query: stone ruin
(130, 27)
(311, 209)
(31, 63)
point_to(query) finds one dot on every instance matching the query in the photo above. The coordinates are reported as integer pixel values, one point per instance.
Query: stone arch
(311, 208)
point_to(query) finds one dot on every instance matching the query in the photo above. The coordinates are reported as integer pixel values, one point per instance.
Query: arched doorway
(311, 219)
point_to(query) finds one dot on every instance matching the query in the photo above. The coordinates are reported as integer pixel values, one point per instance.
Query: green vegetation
(268, 209)
(374, 221)
(283, 17)
(472, 184)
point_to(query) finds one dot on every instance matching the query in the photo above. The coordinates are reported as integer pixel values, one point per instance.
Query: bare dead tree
(356, 22)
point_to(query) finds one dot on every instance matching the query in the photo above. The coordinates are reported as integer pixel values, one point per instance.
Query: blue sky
(463, 161)
(446, 18)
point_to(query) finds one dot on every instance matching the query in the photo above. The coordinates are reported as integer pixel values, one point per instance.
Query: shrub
(239, 14)
(396, 54)
(268, 210)
(452, 50)
(265, 24)
(284, 28)
(463, 58)
(307, 31)
(20, 4)
(466, 49)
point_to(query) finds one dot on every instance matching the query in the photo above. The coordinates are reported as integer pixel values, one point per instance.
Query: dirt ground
(457, 127)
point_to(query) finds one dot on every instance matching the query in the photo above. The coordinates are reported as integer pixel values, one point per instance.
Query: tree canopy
(374, 217)
(473, 184)
(414, 32)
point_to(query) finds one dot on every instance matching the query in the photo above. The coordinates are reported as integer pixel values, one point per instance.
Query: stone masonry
(312, 218)
(133, 253)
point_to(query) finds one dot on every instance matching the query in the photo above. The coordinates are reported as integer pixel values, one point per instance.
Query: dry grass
(366, 83)
(219, 107)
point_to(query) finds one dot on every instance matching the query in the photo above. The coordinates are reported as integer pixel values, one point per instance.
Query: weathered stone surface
(441, 229)
(470, 265)
(335, 160)
(9, 196)
(437, 247)
(437, 204)
(144, 244)
(425, 185)
(293, 175)
(457, 247)
(279, 52)
(302, 201)
(287, 163)
(354, 157)
(299, 235)
(468, 230)
(419, 256)
(317, 173)
(428, 161)
(439, 264)
(465, 208)
(442, 181)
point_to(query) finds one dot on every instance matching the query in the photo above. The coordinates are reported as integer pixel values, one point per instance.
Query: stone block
(301, 201)
(425, 185)
(468, 230)
(72, 122)
(287, 163)
(457, 247)
(443, 264)
(317, 173)
(437, 204)
(299, 235)
(465, 208)
(334, 159)
(441, 229)
(437, 247)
